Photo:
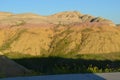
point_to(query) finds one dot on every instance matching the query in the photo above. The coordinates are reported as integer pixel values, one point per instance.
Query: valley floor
(97, 76)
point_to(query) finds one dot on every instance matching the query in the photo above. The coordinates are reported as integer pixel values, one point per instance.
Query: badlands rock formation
(59, 34)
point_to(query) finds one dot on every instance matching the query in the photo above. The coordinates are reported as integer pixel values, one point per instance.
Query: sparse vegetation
(19, 23)
(84, 63)
(87, 30)
(7, 44)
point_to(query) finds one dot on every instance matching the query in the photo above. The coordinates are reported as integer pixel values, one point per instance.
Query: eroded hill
(59, 34)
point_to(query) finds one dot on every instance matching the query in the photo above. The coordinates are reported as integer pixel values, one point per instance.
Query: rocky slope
(59, 34)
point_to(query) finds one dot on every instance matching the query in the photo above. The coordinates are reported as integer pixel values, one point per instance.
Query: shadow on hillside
(58, 65)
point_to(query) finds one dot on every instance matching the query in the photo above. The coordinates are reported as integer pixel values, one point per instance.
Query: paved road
(103, 76)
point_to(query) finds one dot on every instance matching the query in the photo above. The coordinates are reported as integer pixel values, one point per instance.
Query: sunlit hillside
(65, 33)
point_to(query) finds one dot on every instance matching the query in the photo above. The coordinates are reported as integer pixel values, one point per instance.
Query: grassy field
(84, 63)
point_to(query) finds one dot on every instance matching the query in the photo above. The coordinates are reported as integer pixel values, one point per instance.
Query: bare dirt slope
(11, 68)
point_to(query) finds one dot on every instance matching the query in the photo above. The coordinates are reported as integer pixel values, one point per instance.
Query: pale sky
(109, 9)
